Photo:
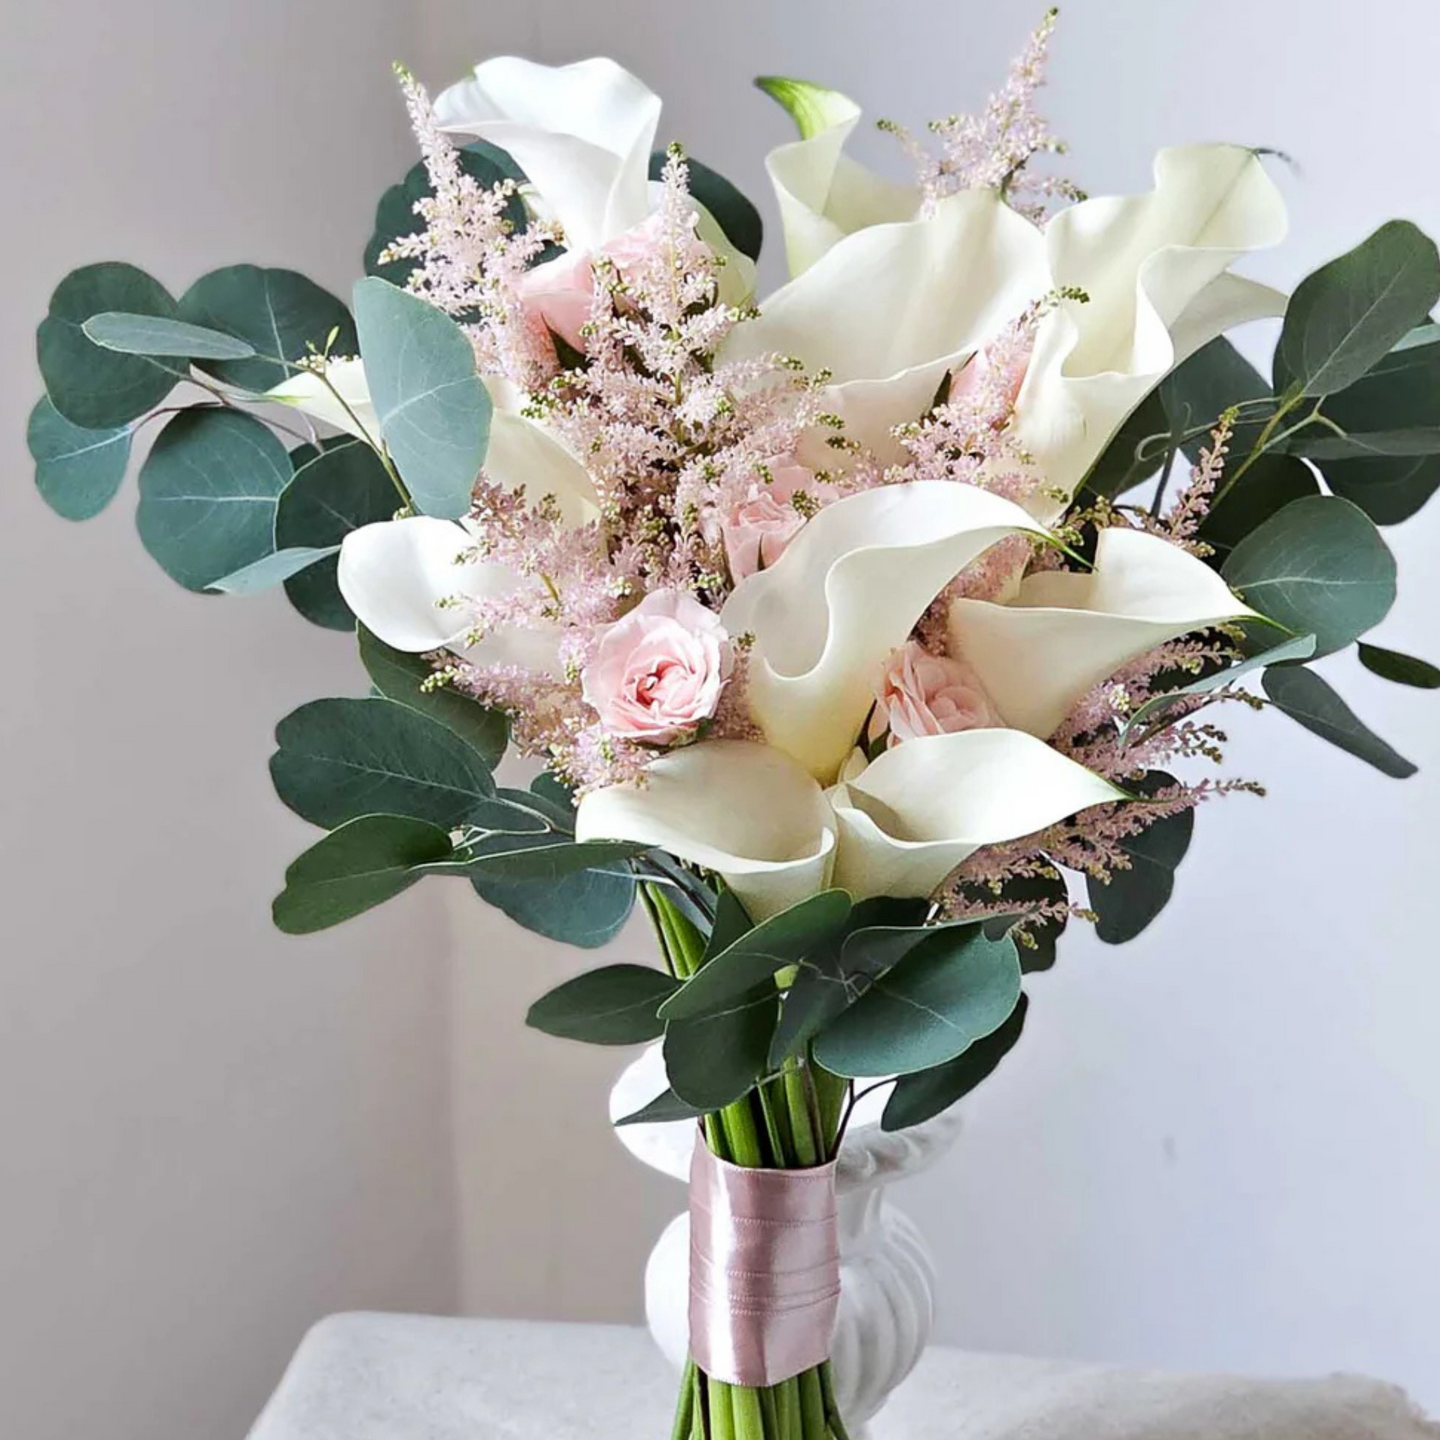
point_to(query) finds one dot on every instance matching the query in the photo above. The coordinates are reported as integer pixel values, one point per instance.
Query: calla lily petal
(847, 591)
(1065, 633)
(746, 811)
(398, 575)
(582, 134)
(892, 297)
(823, 194)
(1144, 261)
(341, 399)
(524, 455)
(923, 807)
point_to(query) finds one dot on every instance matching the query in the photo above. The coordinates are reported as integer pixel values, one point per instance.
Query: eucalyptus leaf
(732, 211)
(542, 857)
(832, 978)
(920, 1097)
(343, 487)
(94, 388)
(586, 909)
(760, 954)
(617, 1005)
(1300, 648)
(1401, 392)
(1346, 316)
(1401, 669)
(664, 1109)
(1133, 898)
(400, 677)
(433, 408)
(208, 491)
(159, 335)
(281, 314)
(1322, 445)
(340, 759)
(1207, 384)
(77, 471)
(947, 993)
(1318, 567)
(272, 570)
(1036, 935)
(1313, 703)
(355, 868)
(717, 1058)
(1136, 453)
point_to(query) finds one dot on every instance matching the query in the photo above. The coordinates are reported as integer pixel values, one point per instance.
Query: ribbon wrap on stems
(764, 1269)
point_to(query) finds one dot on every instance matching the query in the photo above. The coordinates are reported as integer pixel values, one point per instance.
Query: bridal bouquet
(838, 624)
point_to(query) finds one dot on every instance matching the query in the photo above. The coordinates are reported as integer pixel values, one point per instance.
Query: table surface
(407, 1377)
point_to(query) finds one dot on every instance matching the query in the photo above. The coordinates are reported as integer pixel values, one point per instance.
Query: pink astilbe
(469, 258)
(994, 149)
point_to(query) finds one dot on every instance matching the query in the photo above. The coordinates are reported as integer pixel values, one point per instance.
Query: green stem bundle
(789, 1121)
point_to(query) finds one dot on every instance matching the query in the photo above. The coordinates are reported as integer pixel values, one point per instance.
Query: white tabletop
(405, 1377)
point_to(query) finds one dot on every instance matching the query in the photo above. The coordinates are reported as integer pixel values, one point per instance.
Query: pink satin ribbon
(764, 1269)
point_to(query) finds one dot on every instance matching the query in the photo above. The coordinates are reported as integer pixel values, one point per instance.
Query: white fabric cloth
(400, 1377)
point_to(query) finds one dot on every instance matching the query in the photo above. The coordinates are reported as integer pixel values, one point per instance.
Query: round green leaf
(91, 387)
(208, 492)
(1265, 489)
(1312, 702)
(1400, 669)
(1133, 898)
(272, 570)
(280, 313)
(156, 335)
(715, 1059)
(1346, 316)
(77, 472)
(340, 759)
(586, 910)
(341, 489)
(1318, 567)
(920, 1097)
(761, 953)
(944, 996)
(617, 1005)
(399, 677)
(543, 857)
(359, 866)
(434, 409)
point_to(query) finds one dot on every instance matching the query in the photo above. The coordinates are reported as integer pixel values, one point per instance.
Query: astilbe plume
(993, 150)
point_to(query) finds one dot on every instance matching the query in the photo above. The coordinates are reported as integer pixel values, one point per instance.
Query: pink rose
(757, 528)
(925, 694)
(561, 292)
(658, 673)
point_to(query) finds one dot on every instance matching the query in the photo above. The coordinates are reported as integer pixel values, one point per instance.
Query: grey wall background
(1218, 1148)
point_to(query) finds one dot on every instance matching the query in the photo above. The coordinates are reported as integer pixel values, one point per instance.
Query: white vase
(887, 1279)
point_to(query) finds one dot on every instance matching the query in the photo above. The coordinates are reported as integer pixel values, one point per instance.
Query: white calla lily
(1064, 633)
(402, 578)
(847, 591)
(922, 808)
(1154, 267)
(762, 822)
(582, 134)
(890, 308)
(823, 194)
